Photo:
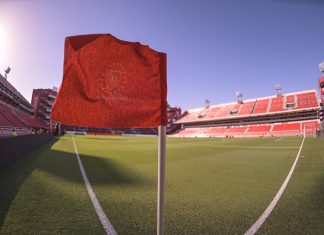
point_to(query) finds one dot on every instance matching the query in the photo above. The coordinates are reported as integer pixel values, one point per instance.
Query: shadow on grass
(13, 176)
(99, 170)
(61, 164)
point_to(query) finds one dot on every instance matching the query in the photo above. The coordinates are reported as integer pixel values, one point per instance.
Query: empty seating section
(286, 129)
(246, 108)
(15, 118)
(290, 99)
(277, 104)
(30, 119)
(236, 130)
(262, 129)
(4, 122)
(293, 101)
(261, 106)
(7, 112)
(201, 132)
(188, 132)
(192, 116)
(270, 105)
(235, 109)
(212, 112)
(224, 112)
(307, 100)
(279, 129)
(216, 130)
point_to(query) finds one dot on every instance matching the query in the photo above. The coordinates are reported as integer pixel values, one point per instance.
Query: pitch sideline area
(212, 187)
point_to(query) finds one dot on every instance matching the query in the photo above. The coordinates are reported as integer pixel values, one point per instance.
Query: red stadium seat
(236, 130)
(277, 104)
(247, 108)
(307, 100)
(261, 106)
(286, 129)
(258, 130)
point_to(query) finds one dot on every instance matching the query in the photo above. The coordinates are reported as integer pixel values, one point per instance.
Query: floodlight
(321, 67)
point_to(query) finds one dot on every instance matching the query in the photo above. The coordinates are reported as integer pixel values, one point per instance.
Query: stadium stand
(290, 101)
(258, 130)
(261, 106)
(15, 112)
(278, 129)
(265, 116)
(306, 100)
(277, 104)
(287, 129)
(247, 108)
(237, 131)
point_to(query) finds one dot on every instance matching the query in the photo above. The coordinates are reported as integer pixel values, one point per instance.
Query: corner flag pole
(161, 179)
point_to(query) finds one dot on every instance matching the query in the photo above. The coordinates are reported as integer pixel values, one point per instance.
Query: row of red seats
(277, 104)
(295, 128)
(13, 117)
(261, 106)
(7, 112)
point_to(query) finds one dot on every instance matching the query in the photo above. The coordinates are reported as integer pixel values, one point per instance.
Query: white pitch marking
(101, 214)
(255, 227)
(278, 139)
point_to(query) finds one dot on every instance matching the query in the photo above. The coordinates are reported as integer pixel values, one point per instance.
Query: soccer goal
(310, 129)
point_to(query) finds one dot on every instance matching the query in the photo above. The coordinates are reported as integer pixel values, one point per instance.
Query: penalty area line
(255, 227)
(101, 214)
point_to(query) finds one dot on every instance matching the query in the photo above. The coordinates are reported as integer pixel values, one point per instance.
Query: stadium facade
(42, 102)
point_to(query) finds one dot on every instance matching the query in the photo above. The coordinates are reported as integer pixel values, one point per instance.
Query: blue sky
(214, 47)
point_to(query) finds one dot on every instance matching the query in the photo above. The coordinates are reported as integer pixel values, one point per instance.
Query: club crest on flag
(110, 82)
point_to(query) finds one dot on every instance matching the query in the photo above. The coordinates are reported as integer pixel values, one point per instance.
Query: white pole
(161, 180)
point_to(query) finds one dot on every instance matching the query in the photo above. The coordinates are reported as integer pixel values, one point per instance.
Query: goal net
(310, 129)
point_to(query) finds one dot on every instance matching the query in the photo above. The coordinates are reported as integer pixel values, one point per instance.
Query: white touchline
(255, 227)
(278, 139)
(101, 214)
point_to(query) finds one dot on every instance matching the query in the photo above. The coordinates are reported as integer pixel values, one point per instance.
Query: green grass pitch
(214, 186)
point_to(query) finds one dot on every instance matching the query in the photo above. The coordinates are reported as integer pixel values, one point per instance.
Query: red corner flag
(111, 83)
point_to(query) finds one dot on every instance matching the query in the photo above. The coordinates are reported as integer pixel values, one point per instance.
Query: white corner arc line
(101, 214)
(255, 227)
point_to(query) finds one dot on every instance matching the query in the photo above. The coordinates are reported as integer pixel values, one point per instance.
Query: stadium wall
(9, 146)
